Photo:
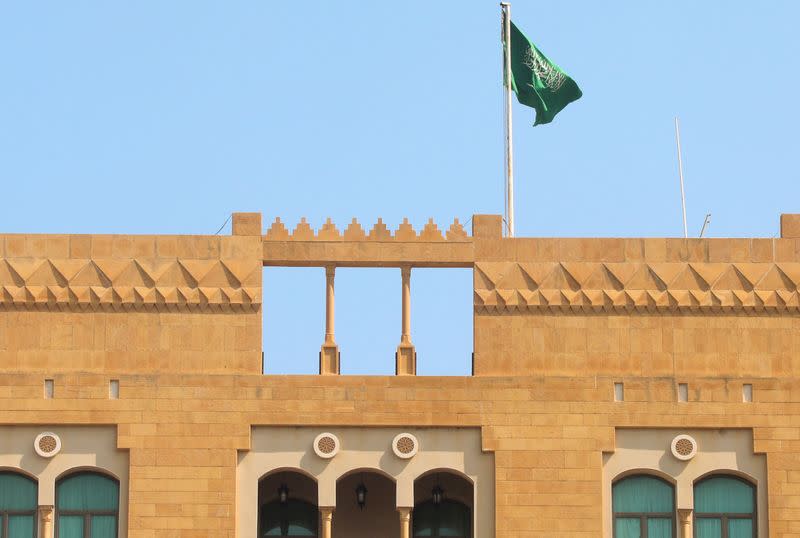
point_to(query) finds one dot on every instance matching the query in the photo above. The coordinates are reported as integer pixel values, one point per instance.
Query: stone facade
(576, 342)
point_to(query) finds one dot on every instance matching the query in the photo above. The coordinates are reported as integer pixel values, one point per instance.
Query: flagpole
(680, 173)
(506, 10)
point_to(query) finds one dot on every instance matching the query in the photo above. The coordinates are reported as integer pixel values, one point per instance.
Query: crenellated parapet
(380, 232)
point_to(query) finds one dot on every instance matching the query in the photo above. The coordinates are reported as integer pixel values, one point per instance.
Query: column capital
(326, 514)
(685, 522)
(405, 521)
(46, 513)
(330, 270)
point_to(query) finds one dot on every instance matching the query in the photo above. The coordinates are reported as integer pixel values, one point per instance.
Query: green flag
(538, 82)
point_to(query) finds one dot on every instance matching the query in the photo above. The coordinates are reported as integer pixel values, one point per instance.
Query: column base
(405, 360)
(329, 359)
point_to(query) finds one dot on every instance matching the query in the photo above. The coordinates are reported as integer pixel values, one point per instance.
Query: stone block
(487, 226)
(246, 224)
(790, 226)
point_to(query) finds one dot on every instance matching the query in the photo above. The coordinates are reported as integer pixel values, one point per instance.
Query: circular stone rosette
(47, 444)
(326, 445)
(684, 447)
(405, 446)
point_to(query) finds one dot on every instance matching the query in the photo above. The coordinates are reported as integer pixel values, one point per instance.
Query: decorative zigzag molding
(124, 284)
(755, 287)
(354, 232)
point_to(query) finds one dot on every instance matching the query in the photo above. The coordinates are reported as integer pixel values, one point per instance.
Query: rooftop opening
(293, 318)
(365, 331)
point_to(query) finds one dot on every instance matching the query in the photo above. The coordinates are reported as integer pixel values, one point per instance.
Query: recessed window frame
(643, 517)
(284, 522)
(87, 514)
(4, 514)
(467, 512)
(725, 517)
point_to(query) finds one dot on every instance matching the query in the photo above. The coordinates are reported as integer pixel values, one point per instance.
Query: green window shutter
(17, 492)
(627, 527)
(87, 492)
(659, 528)
(643, 494)
(707, 528)
(740, 528)
(723, 495)
(104, 527)
(20, 526)
(70, 527)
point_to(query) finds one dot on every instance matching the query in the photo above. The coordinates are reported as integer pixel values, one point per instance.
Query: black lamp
(437, 495)
(283, 494)
(361, 495)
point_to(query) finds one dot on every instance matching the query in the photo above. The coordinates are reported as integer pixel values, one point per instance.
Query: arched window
(87, 506)
(292, 518)
(18, 502)
(724, 507)
(644, 507)
(448, 518)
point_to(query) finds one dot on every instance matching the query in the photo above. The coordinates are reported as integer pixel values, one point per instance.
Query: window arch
(448, 518)
(724, 507)
(18, 504)
(644, 507)
(291, 518)
(87, 506)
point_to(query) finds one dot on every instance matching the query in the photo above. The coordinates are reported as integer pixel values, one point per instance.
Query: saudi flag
(538, 82)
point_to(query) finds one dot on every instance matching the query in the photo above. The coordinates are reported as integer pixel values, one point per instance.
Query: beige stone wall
(547, 354)
(130, 304)
(632, 344)
(547, 434)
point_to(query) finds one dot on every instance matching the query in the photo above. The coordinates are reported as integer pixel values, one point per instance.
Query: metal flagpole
(680, 173)
(506, 9)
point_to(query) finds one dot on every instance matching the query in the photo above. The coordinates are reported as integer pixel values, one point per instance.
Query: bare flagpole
(506, 10)
(680, 173)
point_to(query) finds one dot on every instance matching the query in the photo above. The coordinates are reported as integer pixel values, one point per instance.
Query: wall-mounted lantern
(361, 495)
(437, 495)
(283, 494)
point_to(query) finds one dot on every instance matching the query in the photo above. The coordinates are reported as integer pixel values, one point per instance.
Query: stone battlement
(354, 232)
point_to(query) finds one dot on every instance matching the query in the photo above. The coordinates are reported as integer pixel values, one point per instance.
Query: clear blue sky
(164, 117)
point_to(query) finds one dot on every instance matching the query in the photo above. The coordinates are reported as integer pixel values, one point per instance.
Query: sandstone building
(620, 387)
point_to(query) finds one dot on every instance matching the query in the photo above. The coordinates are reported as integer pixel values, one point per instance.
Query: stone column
(685, 522)
(406, 357)
(327, 521)
(329, 354)
(46, 521)
(405, 522)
